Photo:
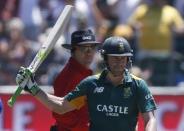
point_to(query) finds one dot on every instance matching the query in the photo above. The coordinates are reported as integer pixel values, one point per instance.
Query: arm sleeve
(145, 99)
(77, 97)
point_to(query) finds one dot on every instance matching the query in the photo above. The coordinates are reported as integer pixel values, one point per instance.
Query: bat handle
(12, 100)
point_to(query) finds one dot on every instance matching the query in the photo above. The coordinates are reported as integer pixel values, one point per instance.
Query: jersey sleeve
(145, 99)
(77, 97)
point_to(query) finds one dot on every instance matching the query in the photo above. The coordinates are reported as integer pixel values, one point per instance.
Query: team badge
(127, 92)
(121, 47)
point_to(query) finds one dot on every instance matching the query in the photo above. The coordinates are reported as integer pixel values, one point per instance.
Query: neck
(116, 80)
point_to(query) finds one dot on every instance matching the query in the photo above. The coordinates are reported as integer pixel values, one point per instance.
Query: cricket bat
(47, 46)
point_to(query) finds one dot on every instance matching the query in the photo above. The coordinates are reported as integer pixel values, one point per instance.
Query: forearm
(151, 125)
(56, 104)
(53, 103)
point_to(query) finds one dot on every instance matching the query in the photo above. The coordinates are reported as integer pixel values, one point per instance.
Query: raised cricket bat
(47, 46)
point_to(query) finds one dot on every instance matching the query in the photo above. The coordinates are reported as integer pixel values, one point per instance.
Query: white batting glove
(22, 77)
(26, 81)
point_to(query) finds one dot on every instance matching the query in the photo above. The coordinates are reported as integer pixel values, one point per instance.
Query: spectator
(111, 13)
(30, 15)
(156, 22)
(17, 51)
(106, 19)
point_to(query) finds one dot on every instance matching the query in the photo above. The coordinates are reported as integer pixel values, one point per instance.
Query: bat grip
(12, 100)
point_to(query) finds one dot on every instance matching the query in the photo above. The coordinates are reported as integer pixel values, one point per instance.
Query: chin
(88, 63)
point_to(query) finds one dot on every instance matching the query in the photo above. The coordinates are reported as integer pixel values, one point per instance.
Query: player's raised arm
(26, 81)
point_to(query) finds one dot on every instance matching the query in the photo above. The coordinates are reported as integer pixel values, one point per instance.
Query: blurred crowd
(154, 28)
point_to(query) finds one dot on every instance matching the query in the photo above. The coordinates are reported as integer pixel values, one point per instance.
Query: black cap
(81, 37)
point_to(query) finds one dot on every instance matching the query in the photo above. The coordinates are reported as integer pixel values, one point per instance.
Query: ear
(129, 62)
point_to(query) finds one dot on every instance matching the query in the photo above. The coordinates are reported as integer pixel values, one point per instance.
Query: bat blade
(47, 46)
(52, 38)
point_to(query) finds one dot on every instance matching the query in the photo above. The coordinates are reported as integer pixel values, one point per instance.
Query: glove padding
(25, 80)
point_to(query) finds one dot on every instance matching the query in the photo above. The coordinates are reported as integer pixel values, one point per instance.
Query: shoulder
(170, 9)
(88, 82)
(139, 81)
(92, 78)
(142, 8)
(135, 77)
(140, 11)
(91, 81)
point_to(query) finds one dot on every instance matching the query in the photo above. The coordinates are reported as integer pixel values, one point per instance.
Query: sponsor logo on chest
(112, 110)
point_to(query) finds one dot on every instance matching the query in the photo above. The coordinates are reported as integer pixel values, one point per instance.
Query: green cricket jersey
(113, 108)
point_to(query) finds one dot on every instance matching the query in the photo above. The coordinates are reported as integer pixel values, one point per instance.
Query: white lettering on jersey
(148, 96)
(98, 90)
(112, 110)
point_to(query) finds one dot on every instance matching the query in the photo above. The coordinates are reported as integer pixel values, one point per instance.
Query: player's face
(85, 54)
(117, 64)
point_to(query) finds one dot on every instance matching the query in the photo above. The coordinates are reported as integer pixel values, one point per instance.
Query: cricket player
(114, 98)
